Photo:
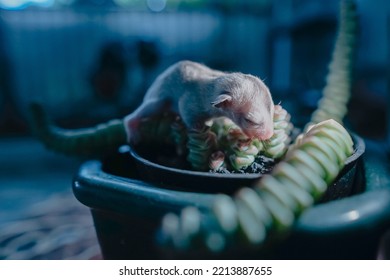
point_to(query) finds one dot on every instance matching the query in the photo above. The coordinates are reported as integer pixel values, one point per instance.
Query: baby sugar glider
(197, 93)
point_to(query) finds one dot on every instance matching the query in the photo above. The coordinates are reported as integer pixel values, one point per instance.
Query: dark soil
(167, 156)
(261, 165)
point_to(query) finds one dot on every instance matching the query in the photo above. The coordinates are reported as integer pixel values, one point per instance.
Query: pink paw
(132, 130)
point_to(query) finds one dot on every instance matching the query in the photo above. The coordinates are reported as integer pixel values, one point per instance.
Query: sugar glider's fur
(197, 93)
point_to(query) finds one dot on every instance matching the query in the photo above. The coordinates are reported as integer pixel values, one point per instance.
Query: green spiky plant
(299, 180)
(224, 139)
(337, 91)
(272, 205)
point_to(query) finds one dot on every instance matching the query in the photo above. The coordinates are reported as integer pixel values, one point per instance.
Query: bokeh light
(19, 4)
(156, 5)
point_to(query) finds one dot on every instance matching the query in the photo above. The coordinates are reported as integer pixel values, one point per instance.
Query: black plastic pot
(129, 195)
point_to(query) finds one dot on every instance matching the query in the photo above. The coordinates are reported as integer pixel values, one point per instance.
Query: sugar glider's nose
(266, 134)
(261, 134)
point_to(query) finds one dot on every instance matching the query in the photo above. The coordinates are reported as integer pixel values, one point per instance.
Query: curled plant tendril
(159, 128)
(337, 91)
(272, 205)
(201, 144)
(239, 149)
(221, 128)
(100, 140)
(243, 153)
(277, 145)
(179, 135)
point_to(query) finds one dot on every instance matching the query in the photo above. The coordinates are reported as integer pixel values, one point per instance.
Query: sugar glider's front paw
(132, 131)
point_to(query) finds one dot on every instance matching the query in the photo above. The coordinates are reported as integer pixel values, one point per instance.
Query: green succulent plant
(337, 91)
(272, 205)
(306, 168)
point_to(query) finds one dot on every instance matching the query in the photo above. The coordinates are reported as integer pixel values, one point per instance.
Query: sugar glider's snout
(267, 130)
(258, 121)
(263, 132)
(267, 133)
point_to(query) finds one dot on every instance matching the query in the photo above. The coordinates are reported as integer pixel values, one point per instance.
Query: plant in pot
(200, 192)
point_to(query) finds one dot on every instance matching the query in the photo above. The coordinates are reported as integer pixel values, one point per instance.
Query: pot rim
(96, 188)
(166, 176)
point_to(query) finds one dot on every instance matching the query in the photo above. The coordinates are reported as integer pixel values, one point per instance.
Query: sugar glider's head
(246, 100)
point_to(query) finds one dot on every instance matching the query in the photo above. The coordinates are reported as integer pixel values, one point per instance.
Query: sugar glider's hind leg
(147, 109)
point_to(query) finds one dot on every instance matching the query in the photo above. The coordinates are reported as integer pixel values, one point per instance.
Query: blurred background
(89, 61)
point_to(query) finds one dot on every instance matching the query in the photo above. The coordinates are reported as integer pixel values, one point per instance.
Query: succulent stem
(273, 204)
(96, 141)
(337, 91)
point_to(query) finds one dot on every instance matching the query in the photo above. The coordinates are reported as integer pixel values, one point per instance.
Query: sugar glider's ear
(223, 100)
